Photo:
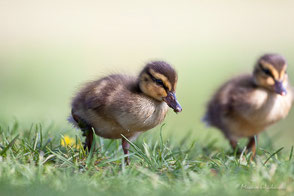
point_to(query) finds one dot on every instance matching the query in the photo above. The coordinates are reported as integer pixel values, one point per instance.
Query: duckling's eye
(267, 72)
(159, 82)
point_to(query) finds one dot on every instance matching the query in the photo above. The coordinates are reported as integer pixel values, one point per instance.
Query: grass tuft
(35, 161)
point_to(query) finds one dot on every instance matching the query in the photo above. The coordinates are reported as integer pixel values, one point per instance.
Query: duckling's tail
(72, 121)
(206, 120)
(79, 122)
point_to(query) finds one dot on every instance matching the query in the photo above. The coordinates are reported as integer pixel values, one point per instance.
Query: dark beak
(172, 102)
(280, 89)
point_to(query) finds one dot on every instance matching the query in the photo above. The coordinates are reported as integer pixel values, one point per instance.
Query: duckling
(119, 105)
(246, 105)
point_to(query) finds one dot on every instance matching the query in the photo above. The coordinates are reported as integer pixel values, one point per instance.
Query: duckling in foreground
(119, 105)
(247, 104)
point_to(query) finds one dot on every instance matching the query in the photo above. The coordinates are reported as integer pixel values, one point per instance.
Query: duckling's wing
(111, 94)
(103, 91)
(241, 101)
(218, 107)
(93, 94)
(231, 98)
(247, 99)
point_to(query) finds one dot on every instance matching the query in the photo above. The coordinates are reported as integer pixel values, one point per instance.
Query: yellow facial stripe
(175, 85)
(161, 77)
(283, 72)
(270, 67)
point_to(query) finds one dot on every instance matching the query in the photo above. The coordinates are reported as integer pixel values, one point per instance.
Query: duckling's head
(158, 80)
(270, 72)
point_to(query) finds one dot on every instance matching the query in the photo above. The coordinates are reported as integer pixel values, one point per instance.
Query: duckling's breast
(271, 108)
(143, 115)
(136, 115)
(267, 108)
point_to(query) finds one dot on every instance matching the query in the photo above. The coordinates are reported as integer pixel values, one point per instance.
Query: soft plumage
(119, 105)
(246, 105)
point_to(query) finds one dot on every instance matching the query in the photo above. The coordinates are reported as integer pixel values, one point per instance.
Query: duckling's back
(96, 95)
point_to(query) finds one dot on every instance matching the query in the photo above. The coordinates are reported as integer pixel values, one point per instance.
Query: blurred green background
(49, 48)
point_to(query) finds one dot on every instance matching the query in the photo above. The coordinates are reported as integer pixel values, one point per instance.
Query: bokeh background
(49, 48)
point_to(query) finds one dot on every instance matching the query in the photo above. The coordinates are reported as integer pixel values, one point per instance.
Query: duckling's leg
(89, 139)
(234, 145)
(233, 140)
(252, 145)
(125, 147)
(86, 129)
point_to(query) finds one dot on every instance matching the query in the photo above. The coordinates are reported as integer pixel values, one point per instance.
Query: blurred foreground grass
(33, 162)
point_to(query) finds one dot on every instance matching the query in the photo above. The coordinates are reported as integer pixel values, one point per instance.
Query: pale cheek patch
(162, 92)
(270, 81)
(265, 82)
(157, 92)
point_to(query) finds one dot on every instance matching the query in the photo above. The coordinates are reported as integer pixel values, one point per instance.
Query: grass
(33, 162)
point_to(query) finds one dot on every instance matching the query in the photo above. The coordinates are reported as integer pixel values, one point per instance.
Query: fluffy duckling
(246, 105)
(119, 105)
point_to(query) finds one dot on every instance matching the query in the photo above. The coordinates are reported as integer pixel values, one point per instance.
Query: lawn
(36, 160)
(49, 49)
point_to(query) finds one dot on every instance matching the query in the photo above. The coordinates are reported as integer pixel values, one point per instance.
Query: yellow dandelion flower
(69, 141)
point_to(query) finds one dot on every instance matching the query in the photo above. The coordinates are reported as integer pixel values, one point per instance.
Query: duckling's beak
(172, 102)
(280, 88)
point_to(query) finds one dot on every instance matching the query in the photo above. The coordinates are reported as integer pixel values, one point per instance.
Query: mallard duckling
(247, 104)
(119, 105)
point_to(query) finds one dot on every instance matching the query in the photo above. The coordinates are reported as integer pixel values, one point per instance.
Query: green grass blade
(117, 158)
(36, 139)
(139, 152)
(160, 133)
(60, 157)
(9, 145)
(291, 154)
(273, 155)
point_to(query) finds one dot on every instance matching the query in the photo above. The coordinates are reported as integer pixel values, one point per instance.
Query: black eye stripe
(157, 81)
(266, 71)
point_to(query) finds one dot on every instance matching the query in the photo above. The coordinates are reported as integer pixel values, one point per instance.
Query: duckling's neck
(134, 87)
(153, 114)
(269, 106)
